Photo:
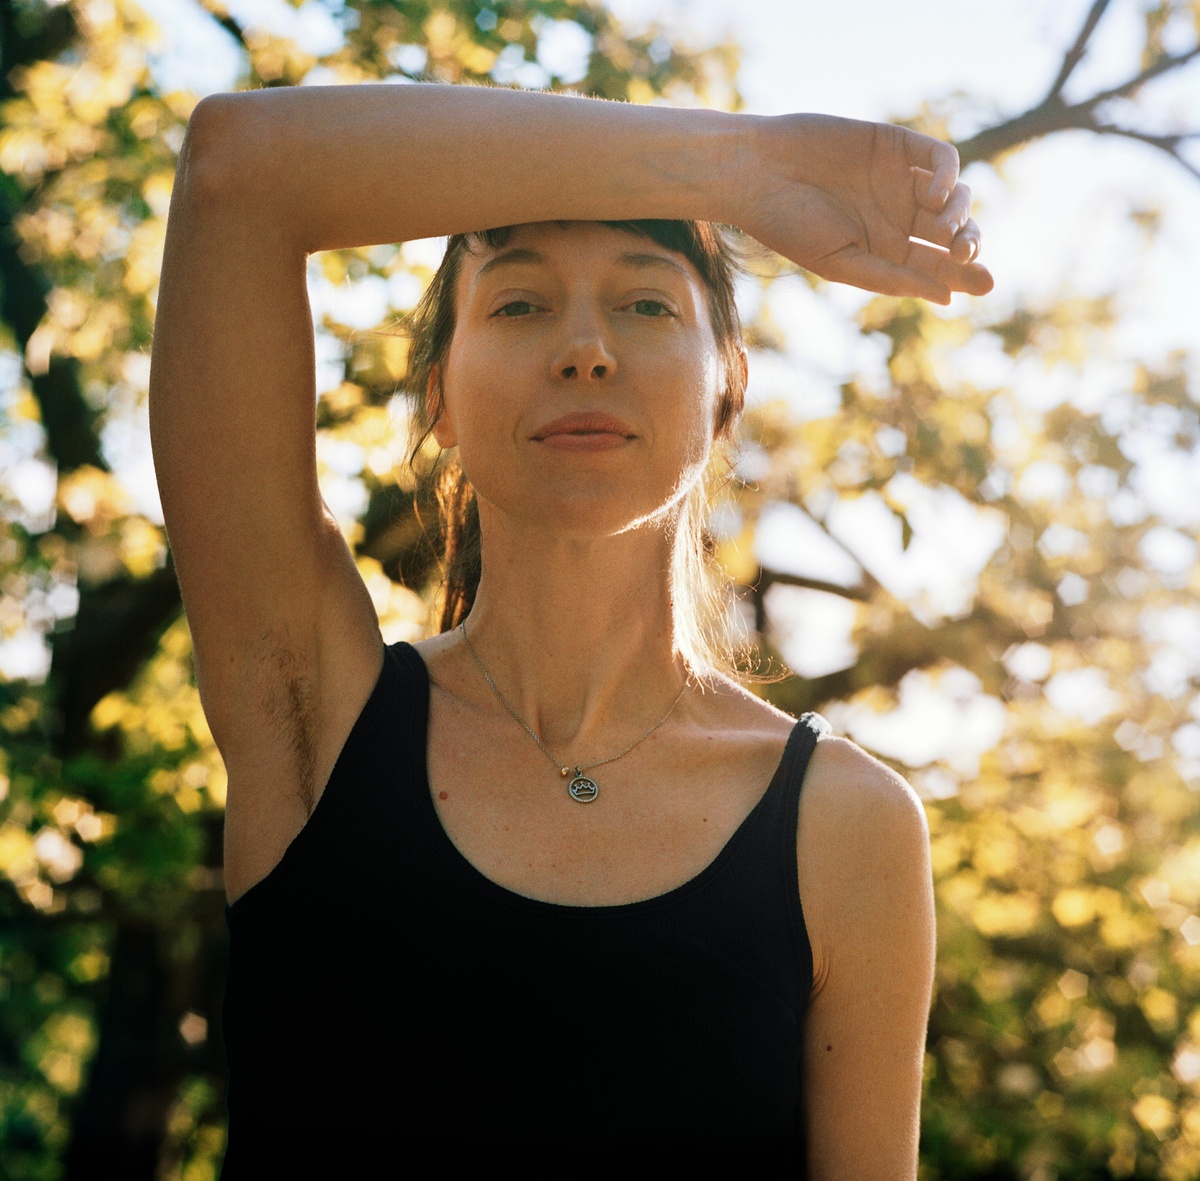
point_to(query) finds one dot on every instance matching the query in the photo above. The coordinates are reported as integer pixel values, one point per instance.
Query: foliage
(1065, 1035)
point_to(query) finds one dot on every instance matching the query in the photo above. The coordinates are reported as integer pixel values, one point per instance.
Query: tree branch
(221, 16)
(1166, 143)
(767, 578)
(116, 631)
(1138, 81)
(1054, 114)
(869, 583)
(70, 423)
(1076, 53)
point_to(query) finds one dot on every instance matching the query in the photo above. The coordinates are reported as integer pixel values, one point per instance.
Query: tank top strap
(809, 729)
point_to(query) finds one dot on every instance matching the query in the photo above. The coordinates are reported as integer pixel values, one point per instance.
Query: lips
(583, 425)
(586, 431)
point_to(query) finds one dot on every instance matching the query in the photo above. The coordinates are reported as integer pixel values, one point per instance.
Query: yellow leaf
(1006, 914)
(109, 711)
(1155, 1114)
(1161, 1009)
(17, 859)
(640, 91)
(141, 546)
(1074, 907)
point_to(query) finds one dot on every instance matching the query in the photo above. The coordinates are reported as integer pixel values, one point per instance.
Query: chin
(580, 516)
(597, 522)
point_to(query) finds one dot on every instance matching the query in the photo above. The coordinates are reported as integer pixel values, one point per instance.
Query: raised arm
(287, 644)
(839, 197)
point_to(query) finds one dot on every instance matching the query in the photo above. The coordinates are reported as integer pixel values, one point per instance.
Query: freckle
(704, 818)
(443, 795)
(829, 1047)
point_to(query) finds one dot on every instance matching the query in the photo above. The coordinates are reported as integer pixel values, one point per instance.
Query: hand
(869, 204)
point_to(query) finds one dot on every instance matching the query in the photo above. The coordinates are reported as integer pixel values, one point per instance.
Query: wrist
(736, 172)
(766, 152)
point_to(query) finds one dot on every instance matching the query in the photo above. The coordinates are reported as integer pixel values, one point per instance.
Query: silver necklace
(582, 788)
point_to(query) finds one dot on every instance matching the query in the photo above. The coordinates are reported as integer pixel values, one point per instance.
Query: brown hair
(699, 589)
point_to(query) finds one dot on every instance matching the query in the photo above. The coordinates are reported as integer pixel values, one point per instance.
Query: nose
(584, 353)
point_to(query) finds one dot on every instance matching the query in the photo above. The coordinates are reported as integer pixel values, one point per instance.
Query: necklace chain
(582, 788)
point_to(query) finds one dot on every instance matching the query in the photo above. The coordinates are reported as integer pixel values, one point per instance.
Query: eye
(516, 307)
(651, 307)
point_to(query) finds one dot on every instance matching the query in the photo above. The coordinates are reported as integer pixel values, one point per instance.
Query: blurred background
(970, 533)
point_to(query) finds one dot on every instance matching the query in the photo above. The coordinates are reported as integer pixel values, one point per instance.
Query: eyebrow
(518, 254)
(523, 254)
(652, 260)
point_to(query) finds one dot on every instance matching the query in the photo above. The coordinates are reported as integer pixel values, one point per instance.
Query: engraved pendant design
(583, 790)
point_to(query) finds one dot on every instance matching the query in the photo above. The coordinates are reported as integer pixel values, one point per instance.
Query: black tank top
(387, 1004)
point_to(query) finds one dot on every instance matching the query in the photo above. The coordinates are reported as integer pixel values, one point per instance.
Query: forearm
(355, 165)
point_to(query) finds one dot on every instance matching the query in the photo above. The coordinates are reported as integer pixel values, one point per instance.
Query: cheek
(700, 392)
(473, 390)
(685, 424)
(482, 413)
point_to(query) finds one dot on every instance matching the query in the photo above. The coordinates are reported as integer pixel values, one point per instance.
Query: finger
(938, 158)
(977, 279)
(945, 226)
(971, 278)
(958, 209)
(965, 246)
(858, 268)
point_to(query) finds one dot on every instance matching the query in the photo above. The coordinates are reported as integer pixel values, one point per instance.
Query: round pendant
(583, 790)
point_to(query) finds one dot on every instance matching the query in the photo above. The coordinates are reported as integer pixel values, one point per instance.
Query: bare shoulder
(850, 789)
(863, 857)
(866, 892)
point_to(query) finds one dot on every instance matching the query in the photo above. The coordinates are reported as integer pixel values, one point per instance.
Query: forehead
(575, 244)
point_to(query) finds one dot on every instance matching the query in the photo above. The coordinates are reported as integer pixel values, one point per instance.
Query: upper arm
(868, 896)
(267, 579)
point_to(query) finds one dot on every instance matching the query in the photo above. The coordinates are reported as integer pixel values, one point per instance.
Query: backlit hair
(700, 591)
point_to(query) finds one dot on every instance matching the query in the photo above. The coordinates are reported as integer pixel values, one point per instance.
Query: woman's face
(582, 380)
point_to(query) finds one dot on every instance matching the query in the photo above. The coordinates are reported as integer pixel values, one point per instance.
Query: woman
(544, 888)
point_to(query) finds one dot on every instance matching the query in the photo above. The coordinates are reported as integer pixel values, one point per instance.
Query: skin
(573, 617)
(652, 361)
(571, 332)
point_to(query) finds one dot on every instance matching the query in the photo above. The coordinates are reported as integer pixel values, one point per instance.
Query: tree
(1066, 863)
(110, 835)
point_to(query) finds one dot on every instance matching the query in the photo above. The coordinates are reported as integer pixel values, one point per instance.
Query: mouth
(587, 431)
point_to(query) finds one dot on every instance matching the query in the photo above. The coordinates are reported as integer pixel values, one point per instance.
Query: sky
(1060, 210)
(1055, 220)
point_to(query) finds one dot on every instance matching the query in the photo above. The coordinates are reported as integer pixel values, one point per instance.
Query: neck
(578, 636)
